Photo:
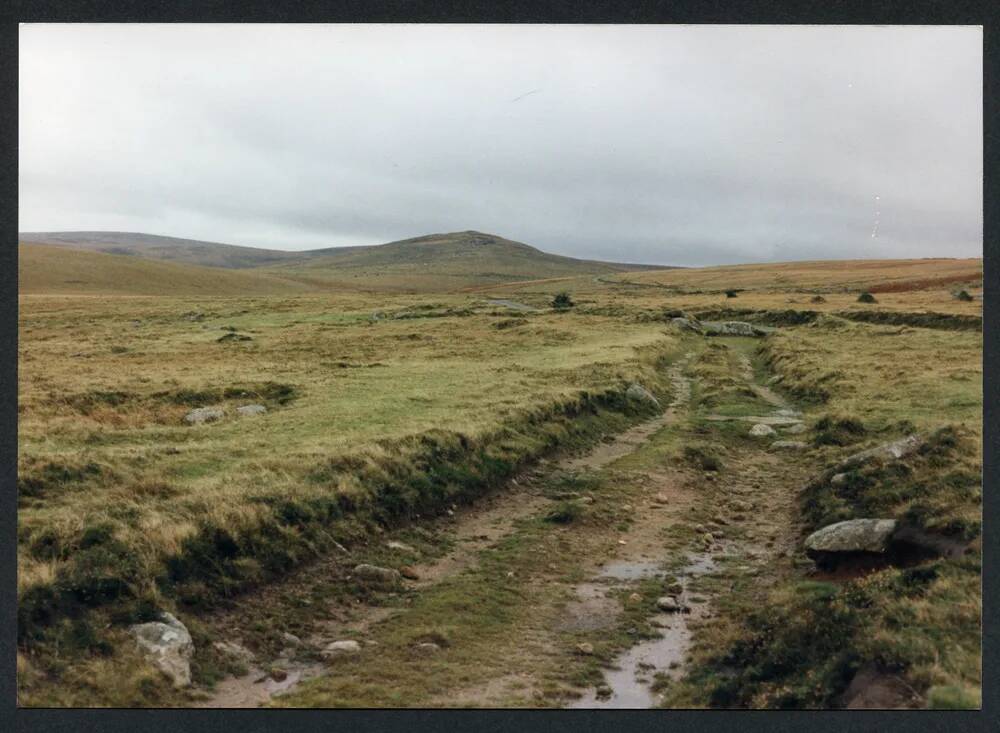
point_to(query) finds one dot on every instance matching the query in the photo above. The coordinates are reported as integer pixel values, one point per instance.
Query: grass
(124, 506)
(385, 409)
(799, 643)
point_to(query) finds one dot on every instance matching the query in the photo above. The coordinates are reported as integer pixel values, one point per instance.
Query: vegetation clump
(964, 295)
(731, 293)
(838, 431)
(866, 297)
(704, 457)
(562, 301)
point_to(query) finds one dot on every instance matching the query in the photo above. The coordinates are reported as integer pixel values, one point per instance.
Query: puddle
(631, 680)
(635, 570)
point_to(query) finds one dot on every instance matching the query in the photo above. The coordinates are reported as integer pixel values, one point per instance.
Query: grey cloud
(685, 145)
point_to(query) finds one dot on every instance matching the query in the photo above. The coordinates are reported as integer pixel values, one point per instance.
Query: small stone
(343, 648)
(638, 393)
(234, 650)
(668, 604)
(290, 639)
(634, 598)
(401, 546)
(409, 573)
(278, 674)
(249, 410)
(427, 648)
(375, 574)
(622, 542)
(661, 498)
(203, 414)
(167, 644)
(585, 648)
(796, 429)
(789, 445)
(760, 430)
(675, 589)
(838, 479)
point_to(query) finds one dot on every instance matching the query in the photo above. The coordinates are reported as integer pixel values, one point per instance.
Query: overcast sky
(665, 144)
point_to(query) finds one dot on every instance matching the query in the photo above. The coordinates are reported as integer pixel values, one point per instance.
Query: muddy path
(470, 530)
(668, 530)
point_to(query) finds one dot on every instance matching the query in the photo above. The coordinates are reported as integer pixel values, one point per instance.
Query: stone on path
(638, 393)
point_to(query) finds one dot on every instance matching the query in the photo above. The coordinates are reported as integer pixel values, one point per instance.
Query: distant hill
(155, 247)
(46, 269)
(444, 262)
(877, 276)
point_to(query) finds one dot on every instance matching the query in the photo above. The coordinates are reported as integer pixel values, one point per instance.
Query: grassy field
(384, 409)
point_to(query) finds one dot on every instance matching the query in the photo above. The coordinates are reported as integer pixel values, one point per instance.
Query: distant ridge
(432, 262)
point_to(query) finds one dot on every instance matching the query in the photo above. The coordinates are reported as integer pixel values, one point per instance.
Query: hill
(443, 262)
(155, 247)
(45, 269)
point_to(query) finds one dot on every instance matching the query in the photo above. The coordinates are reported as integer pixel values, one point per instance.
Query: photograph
(498, 366)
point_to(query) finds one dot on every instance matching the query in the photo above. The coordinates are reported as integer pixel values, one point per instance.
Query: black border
(924, 12)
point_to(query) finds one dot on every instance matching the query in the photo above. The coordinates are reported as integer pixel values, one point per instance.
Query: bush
(562, 301)
(703, 457)
(730, 293)
(866, 297)
(963, 295)
(817, 299)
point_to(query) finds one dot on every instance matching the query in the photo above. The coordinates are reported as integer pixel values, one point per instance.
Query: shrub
(817, 299)
(866, 297)
(703, 457)
(963, 295)
(562, 301)
(730, 293)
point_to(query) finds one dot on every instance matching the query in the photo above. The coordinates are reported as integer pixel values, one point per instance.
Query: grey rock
(734, 328)
(787, 412)
(669, 604)
(375, 574)
(290, 639)
(838, 479)
(428, 648)
(762, 419)
(796, 429)
(760, 429)
(789, 445)
(639, 393)
(247, 410)
(687, 324)
(401, 546)
(343, 648)
(234, 650)
(167, 644)
(204, 414)
(894, 450)
(854, 535)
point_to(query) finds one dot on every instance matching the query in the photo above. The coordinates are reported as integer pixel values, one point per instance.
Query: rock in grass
(167, 644)
(687, 324)
(401, 546)
(585, 648)
(248, 410)
(234, 650)
(427, 648)
(894, 450)
(854, 535)
(342, 648)
(375, 574)
(760, 430)
(796, 429)
(838, 479)
(638, 393)
(409, 573)
(204, 414)
(734, 328)
(669, 604)
(290, 639)
(789, 445)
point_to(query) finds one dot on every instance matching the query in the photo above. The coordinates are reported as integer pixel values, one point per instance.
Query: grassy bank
(125, 509)
(913, 632)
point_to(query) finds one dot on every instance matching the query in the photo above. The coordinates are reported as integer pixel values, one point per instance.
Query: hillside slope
(442, 262)
(45, 269)
(822, 275)
(155, 247)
